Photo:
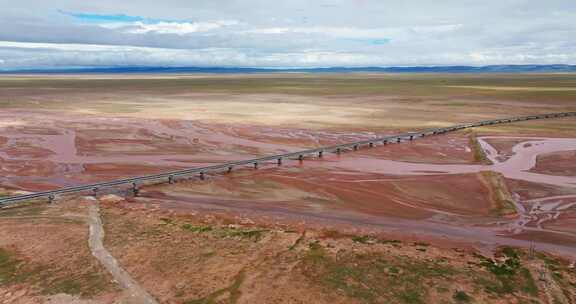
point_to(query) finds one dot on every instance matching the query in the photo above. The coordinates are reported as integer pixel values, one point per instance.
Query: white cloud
(33, 55)
(178, 28)
(286, 33)
(352, 32)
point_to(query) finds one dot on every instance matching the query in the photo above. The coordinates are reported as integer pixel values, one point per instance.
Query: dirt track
(134, 293)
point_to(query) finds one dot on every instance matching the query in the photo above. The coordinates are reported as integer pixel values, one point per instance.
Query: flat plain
(478, 216)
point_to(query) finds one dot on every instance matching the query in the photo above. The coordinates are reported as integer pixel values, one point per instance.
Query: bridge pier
(355, 147)
(255, 165)
(300, 157)
(230, 169)
(51, 199)
(384, 142)
(411, 137)
(398, 140)
(338, 150)
(279, 161)
(95, 192)
(202, 177)
(135, 189)
(171, 180)
(320, 154)
(371, 145)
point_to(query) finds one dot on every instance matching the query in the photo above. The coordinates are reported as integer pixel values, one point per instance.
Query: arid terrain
(477, 216)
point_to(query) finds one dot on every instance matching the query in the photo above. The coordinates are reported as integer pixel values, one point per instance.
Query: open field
(350, 101)
(222, 240)
(44, 257)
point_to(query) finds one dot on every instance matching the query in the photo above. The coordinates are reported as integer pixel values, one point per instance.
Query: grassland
(44, 253)
(323, 266)
(375, 101)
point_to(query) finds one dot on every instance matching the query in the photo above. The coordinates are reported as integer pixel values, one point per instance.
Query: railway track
(171, 177)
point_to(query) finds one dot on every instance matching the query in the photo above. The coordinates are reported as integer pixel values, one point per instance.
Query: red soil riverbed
(429, 186)
(424, 198)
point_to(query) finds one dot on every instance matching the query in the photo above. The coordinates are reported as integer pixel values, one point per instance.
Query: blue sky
(115, 18)
(296, 33)
(98, 18)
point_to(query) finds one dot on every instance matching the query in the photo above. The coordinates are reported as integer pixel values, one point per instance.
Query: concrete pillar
(398, 140)
(384, 142)
(135, 189)
(355, 147)
(51, 199)
(320, 154)
(230, 169)
(300, 157)
(279, 161)
(411, 137)
(255, 165)
(95, 191)
(202, 176)
(338, 150)
(171, 179)
(371, 145)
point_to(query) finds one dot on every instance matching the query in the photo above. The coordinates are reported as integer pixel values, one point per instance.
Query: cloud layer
(296, 33)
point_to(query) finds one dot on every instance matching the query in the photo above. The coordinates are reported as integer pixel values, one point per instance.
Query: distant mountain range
(555, 68)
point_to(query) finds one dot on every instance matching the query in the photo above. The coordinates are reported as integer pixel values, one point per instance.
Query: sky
(285, 33)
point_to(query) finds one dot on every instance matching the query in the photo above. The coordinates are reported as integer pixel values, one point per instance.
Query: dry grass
(44, 251)
(318, 266)
(501, 198)
(318, 101)
(477, 151)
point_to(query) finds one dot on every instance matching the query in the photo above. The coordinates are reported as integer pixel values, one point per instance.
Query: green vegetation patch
(461, 297)
(477, 150)
(227, 232)
(25, 209)
(52, 279)
(8, 267)
(369, 240)
(561, 273)
(251, 234)
(510, 276)
(373, 278)
(196, 229)
(501, 196)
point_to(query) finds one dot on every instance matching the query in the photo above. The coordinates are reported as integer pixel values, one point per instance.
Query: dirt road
(134, 293)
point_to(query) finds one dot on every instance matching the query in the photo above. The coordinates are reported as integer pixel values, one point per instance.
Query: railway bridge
(134, 183)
